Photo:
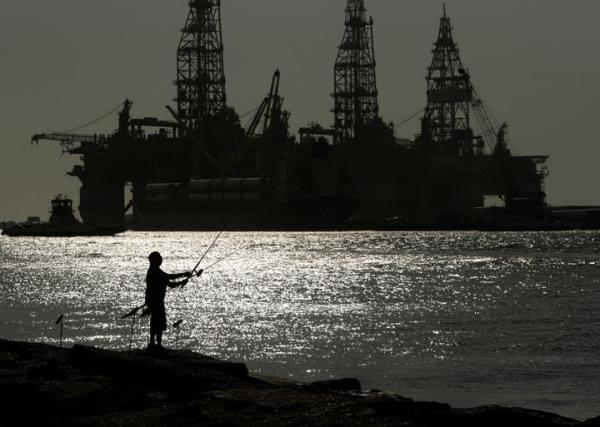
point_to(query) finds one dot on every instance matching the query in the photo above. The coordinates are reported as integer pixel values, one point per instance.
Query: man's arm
(177, 284)
(187, 275)
(183, 282)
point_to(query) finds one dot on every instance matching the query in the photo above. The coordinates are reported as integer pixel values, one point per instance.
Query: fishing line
(135, 310)
(213, 242)
(227, 256)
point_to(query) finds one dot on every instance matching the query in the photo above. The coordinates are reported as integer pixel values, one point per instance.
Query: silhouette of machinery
(186, 173)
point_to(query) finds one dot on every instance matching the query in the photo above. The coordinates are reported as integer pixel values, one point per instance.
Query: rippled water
(464, 318)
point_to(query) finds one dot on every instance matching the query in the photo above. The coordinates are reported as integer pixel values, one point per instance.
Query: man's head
(155, 259)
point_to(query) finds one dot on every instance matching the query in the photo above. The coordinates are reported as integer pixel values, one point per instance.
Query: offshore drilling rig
(195, 170)
(442, 178)
(184, 173)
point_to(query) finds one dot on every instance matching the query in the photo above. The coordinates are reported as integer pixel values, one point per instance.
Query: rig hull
(50, 231)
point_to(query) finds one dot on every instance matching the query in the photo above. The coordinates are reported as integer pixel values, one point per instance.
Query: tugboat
(62, 223)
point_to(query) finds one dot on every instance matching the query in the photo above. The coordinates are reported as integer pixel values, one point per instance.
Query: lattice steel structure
(449, 94)
(200, 70)
(355, 90)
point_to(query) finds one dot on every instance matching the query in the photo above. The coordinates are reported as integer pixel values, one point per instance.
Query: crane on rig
(270, 114)
(495, 136)
(70, 140)
(492, 133)
(73, 143)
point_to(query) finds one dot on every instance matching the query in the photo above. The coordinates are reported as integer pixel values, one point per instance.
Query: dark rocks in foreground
(88, 386)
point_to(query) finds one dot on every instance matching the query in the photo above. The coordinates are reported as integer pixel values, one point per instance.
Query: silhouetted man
(157, 282)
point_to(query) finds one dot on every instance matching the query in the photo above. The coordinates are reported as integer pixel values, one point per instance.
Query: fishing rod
(229, 255)
(132, 332)
(60, 321)
(146, 311)
(134, 311)
(213, 243)
(176, 326)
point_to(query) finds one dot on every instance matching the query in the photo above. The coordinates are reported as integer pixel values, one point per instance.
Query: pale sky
(66, 62)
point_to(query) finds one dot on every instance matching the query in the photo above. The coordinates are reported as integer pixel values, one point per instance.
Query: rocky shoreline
(88, 386)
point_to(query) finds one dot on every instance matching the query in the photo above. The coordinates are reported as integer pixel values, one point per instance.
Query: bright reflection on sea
(467, 318)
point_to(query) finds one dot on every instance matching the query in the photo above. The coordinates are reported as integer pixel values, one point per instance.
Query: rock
(84, 386)
(592, 422)
(344, 384)
(183, 369)
(497, 416)
(432, 413)
(50, 370)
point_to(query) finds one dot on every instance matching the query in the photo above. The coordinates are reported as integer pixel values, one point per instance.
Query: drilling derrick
(355, 91)
(449, 95)
(200, 71)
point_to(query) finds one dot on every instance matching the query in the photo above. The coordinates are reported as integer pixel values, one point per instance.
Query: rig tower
(200, 70)
(355, 89)
(449, 96)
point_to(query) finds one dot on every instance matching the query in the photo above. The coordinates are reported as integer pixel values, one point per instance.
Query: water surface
(462, 317)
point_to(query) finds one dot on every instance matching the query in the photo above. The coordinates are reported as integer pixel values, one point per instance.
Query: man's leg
(152, 329)
(161, 324)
